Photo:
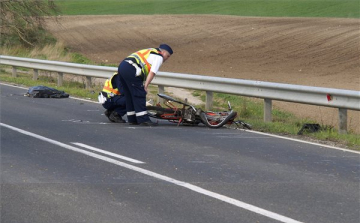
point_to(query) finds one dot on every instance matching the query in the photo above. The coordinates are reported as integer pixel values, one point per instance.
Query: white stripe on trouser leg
(141, 113)
(130, 113)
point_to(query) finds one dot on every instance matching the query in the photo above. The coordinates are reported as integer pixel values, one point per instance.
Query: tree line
(22, 22)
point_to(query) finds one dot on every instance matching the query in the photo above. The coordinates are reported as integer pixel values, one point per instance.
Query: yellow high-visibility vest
(109, 89)
(141, 59)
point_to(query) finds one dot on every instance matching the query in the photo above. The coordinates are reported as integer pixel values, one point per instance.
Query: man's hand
(149, 78)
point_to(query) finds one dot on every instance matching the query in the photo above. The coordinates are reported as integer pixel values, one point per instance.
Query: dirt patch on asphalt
(321, 52)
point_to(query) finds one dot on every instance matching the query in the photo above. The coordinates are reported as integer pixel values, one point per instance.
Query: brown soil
(321, 52)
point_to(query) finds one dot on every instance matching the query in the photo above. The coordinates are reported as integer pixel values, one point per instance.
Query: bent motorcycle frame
(190, 115)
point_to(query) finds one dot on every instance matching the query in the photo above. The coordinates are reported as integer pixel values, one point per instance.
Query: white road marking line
(11, 85)
(87, 122)
(243, 137)
(194, 188)
(302, 141)
(246, 130)
(108, 153)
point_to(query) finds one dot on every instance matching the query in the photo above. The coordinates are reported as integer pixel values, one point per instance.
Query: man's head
(166, 51)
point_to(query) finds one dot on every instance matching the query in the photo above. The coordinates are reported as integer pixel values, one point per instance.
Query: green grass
(78, 58)
(267, 8)
(284, 123)
(55, 52)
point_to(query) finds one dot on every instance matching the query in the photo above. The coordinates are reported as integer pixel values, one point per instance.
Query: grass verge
(54, 51)
(47, 79)
(284, 123)
(267, 8)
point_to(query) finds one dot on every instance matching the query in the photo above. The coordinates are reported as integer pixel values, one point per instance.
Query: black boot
(115, 117)
(107, 113)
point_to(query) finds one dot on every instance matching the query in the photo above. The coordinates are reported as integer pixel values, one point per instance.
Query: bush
(22, 22)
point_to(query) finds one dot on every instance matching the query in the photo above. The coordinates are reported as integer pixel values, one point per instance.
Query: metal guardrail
(329, 97)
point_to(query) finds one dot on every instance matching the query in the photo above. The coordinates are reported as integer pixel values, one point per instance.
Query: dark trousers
(134, 92)
(116, 103)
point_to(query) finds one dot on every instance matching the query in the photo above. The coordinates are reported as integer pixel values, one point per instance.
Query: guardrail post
(267, 110)
(14, 72)
(88, 82)
(36, 74)
(161, 90)
(60, 79)
(342, 120)
(209, 100)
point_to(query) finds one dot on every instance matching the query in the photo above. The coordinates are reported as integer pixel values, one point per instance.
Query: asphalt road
(62, 161)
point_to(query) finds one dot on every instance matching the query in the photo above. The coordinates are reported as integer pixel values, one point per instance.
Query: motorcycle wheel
(219, 124)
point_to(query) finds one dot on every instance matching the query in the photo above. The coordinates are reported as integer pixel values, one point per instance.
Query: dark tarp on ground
(45, 92)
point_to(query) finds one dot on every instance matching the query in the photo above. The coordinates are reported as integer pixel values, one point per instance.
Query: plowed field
(321, 52)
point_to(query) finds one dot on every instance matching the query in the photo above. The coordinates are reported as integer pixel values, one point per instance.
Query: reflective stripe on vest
(141, 59)
(108, 88)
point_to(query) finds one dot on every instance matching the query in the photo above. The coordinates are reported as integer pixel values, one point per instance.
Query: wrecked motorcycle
(183, 113)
